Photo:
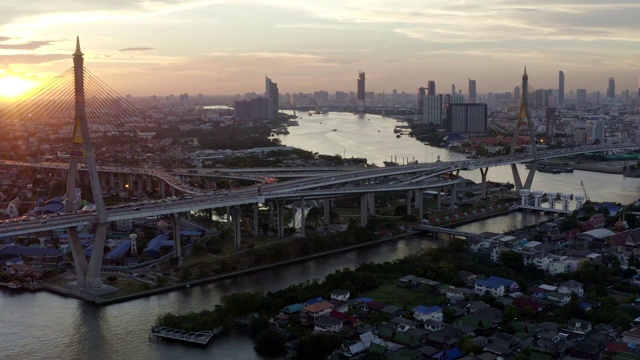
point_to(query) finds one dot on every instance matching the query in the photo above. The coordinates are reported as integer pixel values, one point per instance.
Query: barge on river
(191, 337)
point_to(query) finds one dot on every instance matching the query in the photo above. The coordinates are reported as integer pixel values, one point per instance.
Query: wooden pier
(198, 338)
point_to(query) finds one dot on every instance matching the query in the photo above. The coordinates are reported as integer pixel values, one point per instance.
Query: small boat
(334, 130)
(398, 136)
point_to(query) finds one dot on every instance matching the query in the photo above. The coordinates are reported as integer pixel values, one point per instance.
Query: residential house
(340, 295)
(495, 289)
(433, 325)
(632, 336)
(539, 293)
(571, 287)
(326, 323)
(577, 325)
(559, 298)
(560, 267)
(423, 313)
(311, 313)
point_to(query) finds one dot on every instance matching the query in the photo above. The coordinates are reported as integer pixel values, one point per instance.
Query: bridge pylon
(87, 274)
(524, 119)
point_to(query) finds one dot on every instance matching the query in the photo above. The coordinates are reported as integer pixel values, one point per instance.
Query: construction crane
(584, 190)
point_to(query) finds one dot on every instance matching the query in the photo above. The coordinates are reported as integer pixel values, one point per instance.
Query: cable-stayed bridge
(78, 109)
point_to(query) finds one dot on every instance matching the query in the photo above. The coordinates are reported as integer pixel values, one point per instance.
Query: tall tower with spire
(524, 120)
(88, 274)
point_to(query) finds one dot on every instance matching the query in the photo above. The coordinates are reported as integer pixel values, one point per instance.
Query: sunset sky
(227, 47)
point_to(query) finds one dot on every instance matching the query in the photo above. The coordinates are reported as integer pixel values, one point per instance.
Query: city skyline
(224, 47)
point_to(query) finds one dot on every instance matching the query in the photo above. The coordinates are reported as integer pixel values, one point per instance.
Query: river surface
(46, 326)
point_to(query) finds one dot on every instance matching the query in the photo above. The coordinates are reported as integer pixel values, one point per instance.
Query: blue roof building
(119, 251)
(155, 245)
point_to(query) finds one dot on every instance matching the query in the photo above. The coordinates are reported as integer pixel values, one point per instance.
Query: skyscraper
(361, 96)
(581, 96)
(271, 93)
(433, 109)
(431, 88)
(453, 89)
(421, 94)
(472, 91)
(560, 87)
(611, 90)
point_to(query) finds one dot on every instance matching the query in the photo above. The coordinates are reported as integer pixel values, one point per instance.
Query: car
(136, 208)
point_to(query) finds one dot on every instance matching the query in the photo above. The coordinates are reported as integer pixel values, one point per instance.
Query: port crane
(584, 190)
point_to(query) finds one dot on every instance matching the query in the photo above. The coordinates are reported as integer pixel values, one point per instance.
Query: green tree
(271, 342)
(317, 346)
(512, 259)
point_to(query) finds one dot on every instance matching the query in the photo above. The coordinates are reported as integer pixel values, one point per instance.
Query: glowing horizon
(226, 47)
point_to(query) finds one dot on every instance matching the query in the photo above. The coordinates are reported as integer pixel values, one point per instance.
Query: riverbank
(606, 167)
(96, 299)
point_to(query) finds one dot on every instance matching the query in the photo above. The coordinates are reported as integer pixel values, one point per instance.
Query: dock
(191, 337)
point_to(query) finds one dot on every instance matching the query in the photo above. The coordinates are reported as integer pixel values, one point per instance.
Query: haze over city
(226, 47)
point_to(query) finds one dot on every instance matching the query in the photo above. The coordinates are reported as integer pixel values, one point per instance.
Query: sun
(14, 87)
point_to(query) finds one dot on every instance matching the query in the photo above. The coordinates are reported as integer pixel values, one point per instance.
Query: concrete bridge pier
(92, 278)
(579, 201)
(121, 182)
(303, 218)
(149, 188)
(326, 218)
(565, 201)
(524, 196)
(112, 180)
(371, 203)
(236, 212)
(483, 184)
(409, 198)
(129, 185)
(271, 216)
(439, 200)
(172, 190)
(103, 180)
(177, 245)
(256, 229)
(140, 192)
(454, 197)
(552, 199)
(162, 187)
(419, 203)
(364, 214)
(79, 260)
(281, 204)
(537, 195)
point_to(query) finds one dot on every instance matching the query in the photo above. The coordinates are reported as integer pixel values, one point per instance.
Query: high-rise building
(453, 89)
(254, 109)
(432, 112)
(581, 96)
(560, 87)
(361, 91)
(421, 94)
(271, 93)
(611, 90)
(551, 123)
(431, 88)
(516, 93)
(466, 118)
(472, 91)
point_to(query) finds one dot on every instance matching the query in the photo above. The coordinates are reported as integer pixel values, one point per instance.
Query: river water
(46, 326)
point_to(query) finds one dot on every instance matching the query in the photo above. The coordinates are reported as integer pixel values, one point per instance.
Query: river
(46, 326)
